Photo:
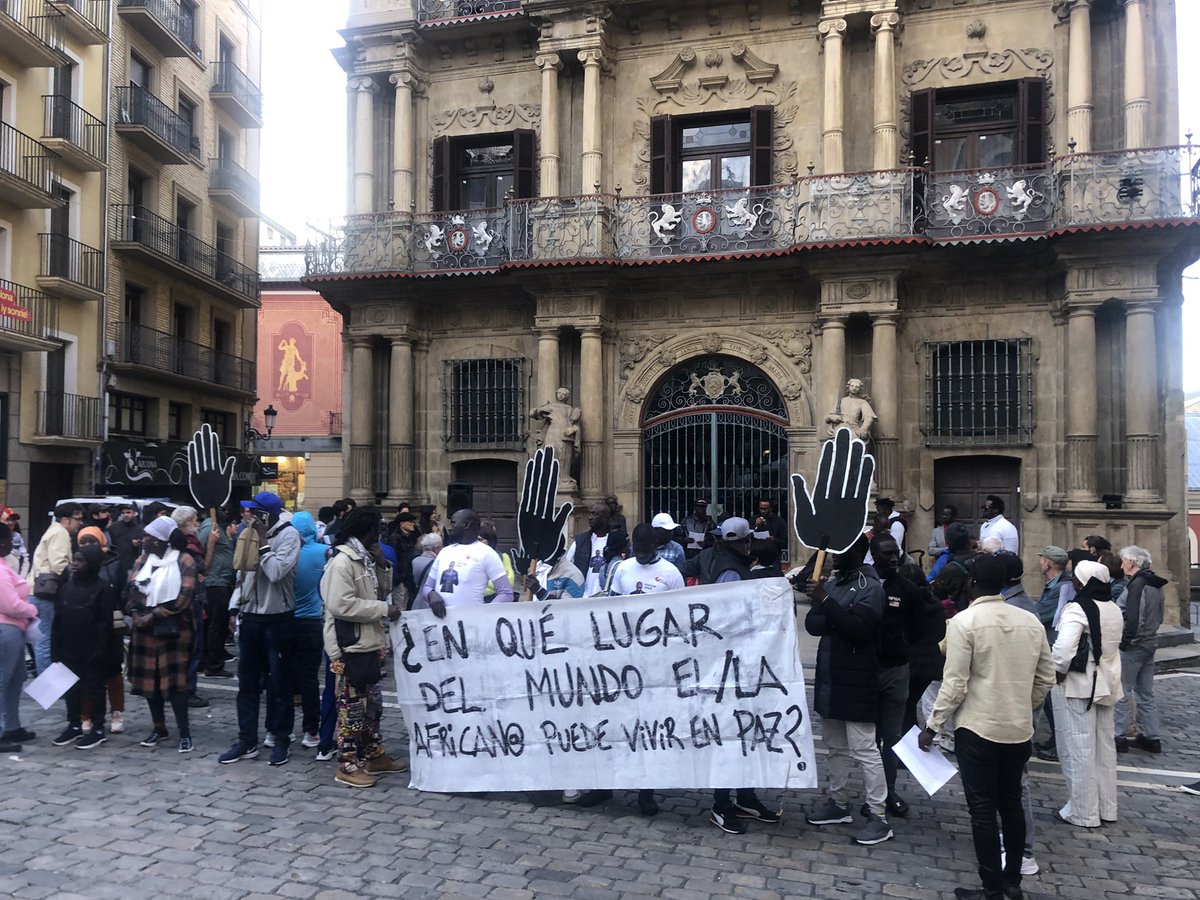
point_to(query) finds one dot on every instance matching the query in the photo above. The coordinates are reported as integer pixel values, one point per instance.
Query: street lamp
(253, 434)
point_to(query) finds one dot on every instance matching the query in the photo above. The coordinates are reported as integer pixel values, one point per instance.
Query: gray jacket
(1142, 604)
(270, 590)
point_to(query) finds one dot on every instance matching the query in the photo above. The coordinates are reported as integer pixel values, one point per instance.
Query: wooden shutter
(1031, 128)
(762, 144)
(443, 175)
(662, 155)
(922, 128)
(524, 163)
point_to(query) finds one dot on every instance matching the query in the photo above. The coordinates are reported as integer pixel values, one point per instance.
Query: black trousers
(308, 650)
(216, 611)
(93, 687)
(991, 779)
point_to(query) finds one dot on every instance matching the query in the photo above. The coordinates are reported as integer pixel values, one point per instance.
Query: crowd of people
(155, 599)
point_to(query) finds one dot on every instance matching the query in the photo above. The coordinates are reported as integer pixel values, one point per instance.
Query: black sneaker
(1049, 754)
(1150, 745)
(593, 798)
(94, 739)
(185, 745)
(1193, 788)
(752, 809)
(238, 752)
(195, 701)
(829, 813)
(18, 736)
(897, 807)
(280, 754)
(1122, 744)
(6, 747)
(726, 819)
(647, 805)
(219, 673)
(69, 736)
(153, 739)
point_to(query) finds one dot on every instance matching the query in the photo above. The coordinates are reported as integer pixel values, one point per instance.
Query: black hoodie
(1143, 602)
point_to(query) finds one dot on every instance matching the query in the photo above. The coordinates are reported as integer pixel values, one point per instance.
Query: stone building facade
(703, 219)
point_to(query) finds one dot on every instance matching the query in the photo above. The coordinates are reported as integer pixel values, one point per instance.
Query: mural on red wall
(300, 363)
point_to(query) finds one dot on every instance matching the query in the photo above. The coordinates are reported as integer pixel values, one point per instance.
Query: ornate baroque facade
(976, 208)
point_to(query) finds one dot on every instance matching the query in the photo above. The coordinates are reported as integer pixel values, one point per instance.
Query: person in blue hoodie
(309, 634)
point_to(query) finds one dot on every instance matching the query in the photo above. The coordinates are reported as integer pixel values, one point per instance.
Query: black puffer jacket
(847, 622)
(709, 564)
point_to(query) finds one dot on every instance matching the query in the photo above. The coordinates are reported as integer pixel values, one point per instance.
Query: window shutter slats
(922, 127)
(762, 140)
(524, 163)
(662, 176)
(1031, 133)
(442, 179)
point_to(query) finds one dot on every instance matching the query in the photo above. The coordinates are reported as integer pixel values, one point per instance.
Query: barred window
(484, 403)
(979, 392)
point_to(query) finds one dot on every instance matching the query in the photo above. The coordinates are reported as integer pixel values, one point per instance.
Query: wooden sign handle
(528, 594)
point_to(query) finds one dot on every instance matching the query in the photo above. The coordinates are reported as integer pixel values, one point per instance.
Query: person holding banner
(644, 572)
(461, 572)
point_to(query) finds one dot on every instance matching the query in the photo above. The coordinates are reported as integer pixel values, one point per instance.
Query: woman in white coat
(1087, 660)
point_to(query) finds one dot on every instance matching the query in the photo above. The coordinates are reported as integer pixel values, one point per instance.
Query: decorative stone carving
(758, 71)
(961, 67)
(670, 79)
(632, 350)
(976, 30)
(713, 343)
(469, 119)
(563, 432)
(858, 290)
(794, 343)
(854, 411)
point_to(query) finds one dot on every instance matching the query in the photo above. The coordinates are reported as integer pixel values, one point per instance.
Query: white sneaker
(268, 740)
(116, 724)
(310, 741)
(571, 796)
(1029, 865)
(326, 755)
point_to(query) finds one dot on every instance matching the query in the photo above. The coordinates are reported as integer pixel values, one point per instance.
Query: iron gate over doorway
(714, 429)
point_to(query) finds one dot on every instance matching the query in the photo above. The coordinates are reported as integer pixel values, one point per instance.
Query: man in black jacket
(846, 614)
(588, 549)
(1142, 604)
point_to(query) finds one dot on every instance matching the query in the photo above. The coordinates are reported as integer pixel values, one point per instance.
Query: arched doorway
(714, 428)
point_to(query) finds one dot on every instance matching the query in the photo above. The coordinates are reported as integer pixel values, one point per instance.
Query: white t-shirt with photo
(460, 572)
(631, 577)
(591, 577)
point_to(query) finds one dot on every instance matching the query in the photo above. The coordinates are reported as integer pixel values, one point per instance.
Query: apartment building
(704, 219)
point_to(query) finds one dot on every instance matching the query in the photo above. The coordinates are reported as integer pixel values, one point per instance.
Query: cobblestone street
(123, 821)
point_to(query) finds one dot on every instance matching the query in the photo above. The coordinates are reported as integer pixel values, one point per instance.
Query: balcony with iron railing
(67, 418)
(31, 33)
(165, 354)
(84, 20)
(1075, 191)
(233, 186)
(152, 125)
(446, 12)
(74, 134)
(28, 171)
(28, 318)
(163, 244)
(70, 268)
(234, 92)
(164, 23)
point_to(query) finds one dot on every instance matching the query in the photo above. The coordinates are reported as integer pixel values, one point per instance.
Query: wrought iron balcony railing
(164, 352)
(26, 312)
(68, 416)
(137, 106)
(229, 79)
(1074, 191)
(35, 19)
(170, 17)
(63, 257)
(441, 11)
(226, 175)
(27, 160)
(86, 19)
(69, 122)
(166, 240)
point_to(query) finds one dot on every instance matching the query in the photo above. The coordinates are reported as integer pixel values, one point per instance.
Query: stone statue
(854, 411)
(562, 431)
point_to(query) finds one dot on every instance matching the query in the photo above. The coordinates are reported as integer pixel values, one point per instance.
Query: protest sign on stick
(541, 533)
(210, 478)
(695, 688)
(831, 516)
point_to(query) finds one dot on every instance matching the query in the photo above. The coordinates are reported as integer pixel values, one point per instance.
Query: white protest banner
(697, 688)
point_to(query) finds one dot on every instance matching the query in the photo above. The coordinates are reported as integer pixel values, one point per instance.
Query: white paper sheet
(696, 538)
(51, 684)
(931, 768)
(33, 633)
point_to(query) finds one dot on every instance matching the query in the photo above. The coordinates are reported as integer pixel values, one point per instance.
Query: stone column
(592, 154)
(400, 421)
(1081, 404)
(364, 143)
(362, 418)
(1079, 76)
(421, 414)
(833, 129)
(548, 159)
(887, 148)
(1137, 102)
(884, 398)
(1141, 403)
(833, 369)
(591, 404)
(403, 149)
(547, 366)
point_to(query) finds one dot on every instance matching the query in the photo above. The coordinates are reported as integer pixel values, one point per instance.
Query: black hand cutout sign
(540, 527)
(831, 516)
(209, 477)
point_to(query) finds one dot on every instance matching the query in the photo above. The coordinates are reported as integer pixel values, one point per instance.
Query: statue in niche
(854, 411)
(562, 434)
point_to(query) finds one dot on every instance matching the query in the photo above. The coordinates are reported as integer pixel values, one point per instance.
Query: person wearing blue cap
(267, 611)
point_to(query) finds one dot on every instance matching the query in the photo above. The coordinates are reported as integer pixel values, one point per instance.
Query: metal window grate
(979, 392)
(484, 403)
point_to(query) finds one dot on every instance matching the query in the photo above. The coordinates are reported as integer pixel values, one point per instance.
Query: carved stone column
(400, 421)
(364, 90)
(833, 128)
(1079, 75)
(546, 381)
(833, 369)
(403, 150)
(887, 147)
(421, 414)
(592, 154)
(591, 404)
(884, 395)
(362, 416)
(1141, 403)
(548, 159)
(1081, 403)
(1137, 101)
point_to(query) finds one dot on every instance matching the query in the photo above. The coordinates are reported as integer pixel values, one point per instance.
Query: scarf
(367, 559)
(158, 580)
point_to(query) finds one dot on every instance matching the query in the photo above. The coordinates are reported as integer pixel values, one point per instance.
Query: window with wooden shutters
(922, 127)
(717, 152)
(442, 200)
(762, 145)
(1031, 111)
(482, 171)
(993, 126)
(524, 163)
(662, 153)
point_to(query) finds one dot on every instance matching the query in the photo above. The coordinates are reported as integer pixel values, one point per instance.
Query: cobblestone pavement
(123, 821)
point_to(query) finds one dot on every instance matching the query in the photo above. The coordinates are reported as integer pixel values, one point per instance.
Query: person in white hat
(664, 529)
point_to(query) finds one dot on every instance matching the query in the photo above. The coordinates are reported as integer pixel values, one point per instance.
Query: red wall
(305, 384)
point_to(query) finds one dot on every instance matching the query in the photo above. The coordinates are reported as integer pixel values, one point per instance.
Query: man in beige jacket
(51, 558)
